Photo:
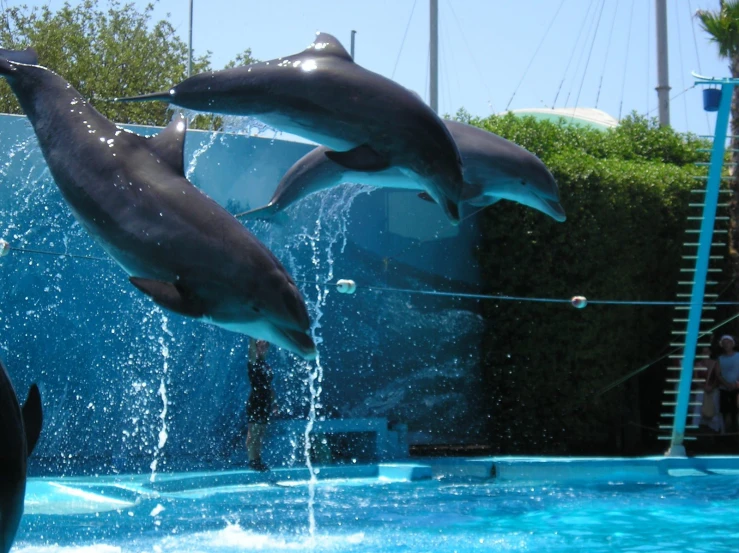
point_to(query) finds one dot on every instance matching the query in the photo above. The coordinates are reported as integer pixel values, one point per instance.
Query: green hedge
(626, 193)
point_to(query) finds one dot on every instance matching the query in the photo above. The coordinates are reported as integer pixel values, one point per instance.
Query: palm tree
(722, 26)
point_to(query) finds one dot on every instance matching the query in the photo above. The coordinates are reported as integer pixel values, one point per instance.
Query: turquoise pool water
(445, 511)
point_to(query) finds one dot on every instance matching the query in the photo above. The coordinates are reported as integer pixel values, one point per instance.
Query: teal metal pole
(701, 269)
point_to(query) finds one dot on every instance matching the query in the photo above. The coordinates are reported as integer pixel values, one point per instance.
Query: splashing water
(329, 230)
(199, 152)
(164, 349)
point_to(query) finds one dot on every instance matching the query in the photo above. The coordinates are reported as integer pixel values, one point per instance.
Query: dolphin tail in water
(161, 96)
(27, 56)
(33, 418)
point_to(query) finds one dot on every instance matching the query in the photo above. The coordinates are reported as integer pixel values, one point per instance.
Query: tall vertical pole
(189, 47)
(663, 75)
(352, 52)
(434, 55)
(710, 203)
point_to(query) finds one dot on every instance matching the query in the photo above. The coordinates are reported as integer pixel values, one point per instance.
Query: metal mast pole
(352, 52)
(434, 55)
(189, 48)
(663, 76)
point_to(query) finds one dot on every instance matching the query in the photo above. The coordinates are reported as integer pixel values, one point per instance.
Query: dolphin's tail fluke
(27, 56)
(153, 97)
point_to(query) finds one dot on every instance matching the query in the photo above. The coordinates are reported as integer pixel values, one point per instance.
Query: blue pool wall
(104, 355)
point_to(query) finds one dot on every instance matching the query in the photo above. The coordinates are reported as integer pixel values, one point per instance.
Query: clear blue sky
(486, 47)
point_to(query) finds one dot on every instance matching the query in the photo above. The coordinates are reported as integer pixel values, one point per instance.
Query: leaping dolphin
(370, 122)
(130, 193)
(494, 169)
(19, 432)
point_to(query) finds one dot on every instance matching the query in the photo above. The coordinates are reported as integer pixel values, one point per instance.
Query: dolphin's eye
(256, 309)
(523, 182)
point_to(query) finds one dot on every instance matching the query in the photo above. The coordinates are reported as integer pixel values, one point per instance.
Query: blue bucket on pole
(711, 99)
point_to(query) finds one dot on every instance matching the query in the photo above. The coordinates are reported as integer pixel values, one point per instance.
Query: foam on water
(443, 515)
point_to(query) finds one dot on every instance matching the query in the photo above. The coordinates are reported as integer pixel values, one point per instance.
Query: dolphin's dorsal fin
(169, 144)
(27, 56)
(328, 45)
(33, 418)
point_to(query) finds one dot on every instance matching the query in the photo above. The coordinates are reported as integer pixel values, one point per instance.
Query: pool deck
(494, 469)
(89, 494)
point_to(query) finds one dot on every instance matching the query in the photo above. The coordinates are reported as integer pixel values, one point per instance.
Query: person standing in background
(260, 404)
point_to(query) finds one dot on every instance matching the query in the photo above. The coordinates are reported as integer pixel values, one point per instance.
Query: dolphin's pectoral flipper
(361, 158)
(33, 417)
(27, 56)
(451, 206)
(453, 210)
(170, 296)
(169, 144)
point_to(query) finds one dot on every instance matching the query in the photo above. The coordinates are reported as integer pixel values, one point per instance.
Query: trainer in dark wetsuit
(259, 406)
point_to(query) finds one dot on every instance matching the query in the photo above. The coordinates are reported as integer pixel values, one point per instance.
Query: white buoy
(4, 248)
(579, 301)
(346, 286)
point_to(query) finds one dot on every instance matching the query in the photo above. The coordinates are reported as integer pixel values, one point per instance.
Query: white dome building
(589, 117)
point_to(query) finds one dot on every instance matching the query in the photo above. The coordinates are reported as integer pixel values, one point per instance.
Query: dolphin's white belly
(390, 178)
(286, 124)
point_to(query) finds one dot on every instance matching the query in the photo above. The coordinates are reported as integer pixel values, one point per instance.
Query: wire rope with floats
(576, 301)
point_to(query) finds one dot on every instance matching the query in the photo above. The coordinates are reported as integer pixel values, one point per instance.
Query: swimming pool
(449, 505)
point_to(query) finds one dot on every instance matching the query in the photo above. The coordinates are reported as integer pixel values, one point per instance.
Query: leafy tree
(106, 49)
(244, 58)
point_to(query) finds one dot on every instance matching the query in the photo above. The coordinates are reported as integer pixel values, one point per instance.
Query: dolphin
(494, 169)
(19, 432)
(177, 245)
(369, 122)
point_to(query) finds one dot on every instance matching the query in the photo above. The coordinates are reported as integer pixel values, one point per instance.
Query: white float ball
(346, 286)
